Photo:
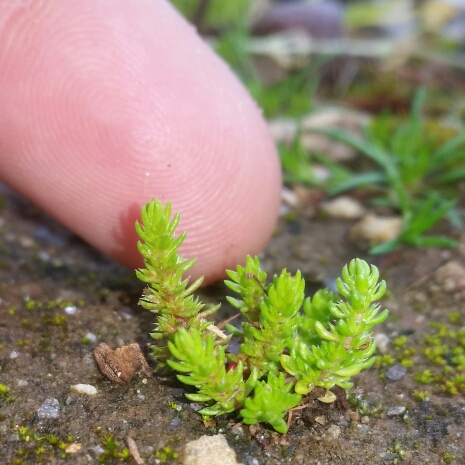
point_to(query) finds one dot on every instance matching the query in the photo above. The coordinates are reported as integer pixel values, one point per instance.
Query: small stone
(26, 242)
(321, 420)
(289, 197)
(333, 432)
(365, 420)
(396, 372)
(209, 450)
(22, 383)
(49, 409)
(382, 342)
(343, 207)
(44, 256)
(70, 309)
(91, 337)
(354, 416)
(175, 422)
(87, 389)
(14, 354)
(376, 229)
(73, 448)
(451, 277)
(98, 450)
(396, 411)
(126, 313)
(363, 429)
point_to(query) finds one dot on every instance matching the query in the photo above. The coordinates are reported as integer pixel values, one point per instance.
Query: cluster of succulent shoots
(288, 344)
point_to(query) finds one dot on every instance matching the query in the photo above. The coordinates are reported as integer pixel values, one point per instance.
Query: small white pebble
(26, 242)
(376, 229)
(14, 354)
(126, 313)
(50, 408)
(84, 389)
(91, 337)
(394, 411)
(70, 309)
(98, 450)
(44, 256)
(382, 342)
(343, 207)
(289, 197)
(22, 382)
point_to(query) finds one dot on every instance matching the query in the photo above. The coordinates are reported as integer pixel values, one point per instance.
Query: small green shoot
(284, 352)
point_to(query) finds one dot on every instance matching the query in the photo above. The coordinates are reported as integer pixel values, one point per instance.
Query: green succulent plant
(289, 344)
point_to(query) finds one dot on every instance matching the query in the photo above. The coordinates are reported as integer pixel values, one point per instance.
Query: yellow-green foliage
(284, 352)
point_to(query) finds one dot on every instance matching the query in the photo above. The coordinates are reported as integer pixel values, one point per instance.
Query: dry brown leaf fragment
(134, 451)
(120, 365)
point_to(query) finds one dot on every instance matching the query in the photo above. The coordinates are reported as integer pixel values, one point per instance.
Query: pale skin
(107, 104)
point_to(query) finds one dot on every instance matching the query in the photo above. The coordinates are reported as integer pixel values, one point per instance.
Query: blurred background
(364, 98)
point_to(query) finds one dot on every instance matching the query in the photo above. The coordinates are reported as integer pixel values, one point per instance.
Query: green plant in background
(284, 353)
(413, 169)
(229, 26)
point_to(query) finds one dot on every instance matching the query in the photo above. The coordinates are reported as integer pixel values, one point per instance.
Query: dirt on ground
(59, 299)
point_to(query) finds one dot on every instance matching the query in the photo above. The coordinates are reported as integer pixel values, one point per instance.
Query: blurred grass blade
(429, 215)
(385, 247)
(357, 180)
(436, 241)
(363, 146)
(452, 176)
(450, 151)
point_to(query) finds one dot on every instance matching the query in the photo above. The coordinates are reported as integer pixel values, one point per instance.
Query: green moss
(165, 454)
(5, 395)
(57, 320)
(424, 377)
(384, 360)
(400, 342)
(398, 449)
(113, 450)
(32, 304)
(420, 395)
(448, 457)
(35, 448)
(441, 352)
(455, 317)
